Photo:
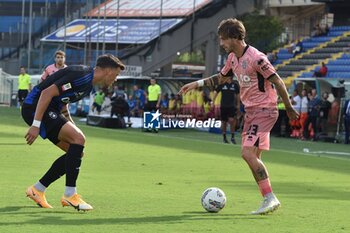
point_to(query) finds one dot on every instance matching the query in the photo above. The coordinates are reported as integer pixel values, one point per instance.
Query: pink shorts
(257, 127)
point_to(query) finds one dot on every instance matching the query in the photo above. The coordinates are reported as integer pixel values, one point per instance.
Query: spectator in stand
(317, 31)
(272, 57)
(298, 48)
(322, 72)
(326, 30)
(313, 113)
(346, 112)
(295, 124)
(325, 106)
(291, 47)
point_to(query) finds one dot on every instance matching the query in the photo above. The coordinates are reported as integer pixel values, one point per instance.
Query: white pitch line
(313, 154)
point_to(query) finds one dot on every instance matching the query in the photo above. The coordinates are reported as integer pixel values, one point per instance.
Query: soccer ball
(213, 199)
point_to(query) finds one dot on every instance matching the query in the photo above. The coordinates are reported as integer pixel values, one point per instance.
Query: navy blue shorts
(51, 124)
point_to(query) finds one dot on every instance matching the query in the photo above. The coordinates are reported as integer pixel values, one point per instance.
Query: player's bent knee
(248, 155)
(79, 139)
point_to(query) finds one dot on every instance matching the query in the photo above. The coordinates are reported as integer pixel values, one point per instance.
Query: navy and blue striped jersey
(73, 83)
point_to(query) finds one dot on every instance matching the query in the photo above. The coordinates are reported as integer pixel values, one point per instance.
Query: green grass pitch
(143, 182)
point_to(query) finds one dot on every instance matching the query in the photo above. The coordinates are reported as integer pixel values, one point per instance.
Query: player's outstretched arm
(211, 81)
(282, 91)
(43, 103)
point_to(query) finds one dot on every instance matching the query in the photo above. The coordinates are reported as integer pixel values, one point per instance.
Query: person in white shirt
(303, 111)
(295, 124)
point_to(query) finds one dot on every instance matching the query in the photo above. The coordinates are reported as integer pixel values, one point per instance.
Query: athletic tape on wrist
(36, 123)
(200, 83)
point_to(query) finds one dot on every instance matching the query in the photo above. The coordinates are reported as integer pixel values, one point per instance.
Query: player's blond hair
(231, 28)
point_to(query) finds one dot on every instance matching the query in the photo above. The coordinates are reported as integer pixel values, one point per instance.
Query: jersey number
(253, 130)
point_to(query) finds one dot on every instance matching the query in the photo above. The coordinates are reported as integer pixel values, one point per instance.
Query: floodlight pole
(98, 34)
(104, 29)
(160, 18)
(30, 32)
(86, 26)
(192, 26)
(117, 32)
(65, 25)
(22, 25)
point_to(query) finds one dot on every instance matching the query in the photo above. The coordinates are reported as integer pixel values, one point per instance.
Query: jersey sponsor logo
(52, 115)
(66, 86)
(244, 80)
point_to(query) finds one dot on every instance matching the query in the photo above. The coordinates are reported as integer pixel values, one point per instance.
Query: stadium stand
(284, 56)
(326, 49)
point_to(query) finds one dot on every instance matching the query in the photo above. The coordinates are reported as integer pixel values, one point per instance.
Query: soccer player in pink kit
(60, 60)
(258, 82)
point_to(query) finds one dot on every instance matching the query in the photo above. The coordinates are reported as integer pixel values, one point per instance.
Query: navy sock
(73, 162)
(56, 170)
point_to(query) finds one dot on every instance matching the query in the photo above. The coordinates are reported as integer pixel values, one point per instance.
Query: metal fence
(6, 87)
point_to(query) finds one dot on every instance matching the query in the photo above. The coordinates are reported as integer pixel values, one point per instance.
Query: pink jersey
(50, 70)
(252, 71)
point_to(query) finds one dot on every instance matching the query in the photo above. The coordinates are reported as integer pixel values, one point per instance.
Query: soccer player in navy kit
(42, 112)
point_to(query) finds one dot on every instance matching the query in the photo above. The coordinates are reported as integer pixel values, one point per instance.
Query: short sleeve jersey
(229, 91)
(23, 82)
(49, 71)
(73, 83)
(252, 70)
(153, 92)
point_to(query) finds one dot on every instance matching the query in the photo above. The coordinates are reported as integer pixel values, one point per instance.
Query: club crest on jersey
(53, 115)
(244, 64)
(66, 86)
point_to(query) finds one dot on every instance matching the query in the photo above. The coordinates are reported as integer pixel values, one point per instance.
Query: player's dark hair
(108, 60)
(231, 28)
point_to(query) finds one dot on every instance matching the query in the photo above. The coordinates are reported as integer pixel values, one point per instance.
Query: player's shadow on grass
(168, 219)
(24, 210)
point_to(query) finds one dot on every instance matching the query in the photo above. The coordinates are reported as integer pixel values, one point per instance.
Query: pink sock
(265, 186)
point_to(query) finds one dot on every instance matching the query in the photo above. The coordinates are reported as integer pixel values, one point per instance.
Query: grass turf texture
(144, 182)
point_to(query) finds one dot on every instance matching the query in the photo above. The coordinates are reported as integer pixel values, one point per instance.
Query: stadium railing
(6, 86)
